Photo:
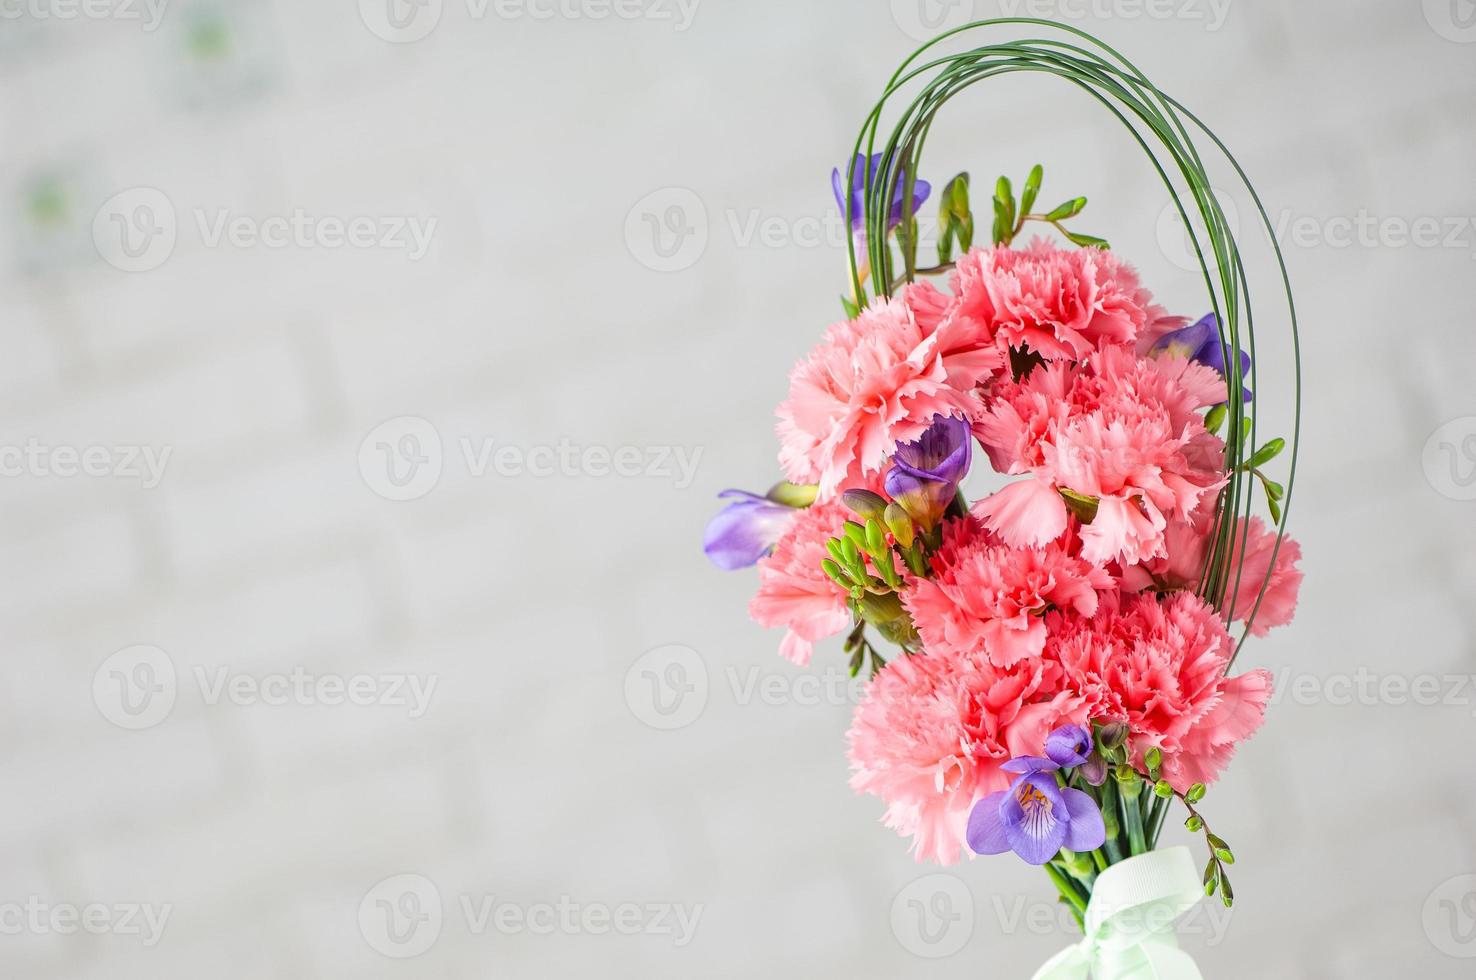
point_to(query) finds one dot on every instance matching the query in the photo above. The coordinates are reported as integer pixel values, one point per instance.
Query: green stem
(1132, 820)
(1155, 820)
(1068, 891)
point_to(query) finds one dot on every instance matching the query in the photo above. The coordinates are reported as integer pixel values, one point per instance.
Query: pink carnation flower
(879, 380)
(1159, 665)
(1059, 303)
(1186, 543)
(794, 592)
(987, 597)
(932, 731)
(1120, 429)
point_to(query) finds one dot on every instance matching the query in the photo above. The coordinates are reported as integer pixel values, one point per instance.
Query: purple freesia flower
(745, 530)
(1036, 817)
(920, 191)
(925, 474)
(1201, 342)
(1069, 746)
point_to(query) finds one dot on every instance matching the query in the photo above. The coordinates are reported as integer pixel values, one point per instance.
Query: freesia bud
(899, 524)
(925, 474)
(864, 503)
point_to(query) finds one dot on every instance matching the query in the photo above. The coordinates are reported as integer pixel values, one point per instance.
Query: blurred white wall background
(213, 299)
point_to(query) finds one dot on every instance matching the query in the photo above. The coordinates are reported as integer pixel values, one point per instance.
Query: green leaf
(1085, 241)
(1031, 189)
(1068, 210)
(1267, 453)
(1216, 418)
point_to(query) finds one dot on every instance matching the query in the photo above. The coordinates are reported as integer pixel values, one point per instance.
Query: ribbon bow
(1130, 922)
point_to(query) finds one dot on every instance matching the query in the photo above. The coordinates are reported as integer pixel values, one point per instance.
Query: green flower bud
(1194, 824)
(876, 538)
(836, 574)
(1112, 735)
(1153, 759)
(1196, 793)
(899, 524)
(1163, 790)
(864, 502)
(793, 494)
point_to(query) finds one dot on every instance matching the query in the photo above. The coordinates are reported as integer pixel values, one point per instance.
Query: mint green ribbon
(1130, 922)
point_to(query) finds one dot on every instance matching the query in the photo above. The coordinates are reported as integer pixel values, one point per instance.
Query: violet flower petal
(1069, 746)
(1028, 764)
(1037, 821)
(745, 530)
(986, 830)
(1085, 830)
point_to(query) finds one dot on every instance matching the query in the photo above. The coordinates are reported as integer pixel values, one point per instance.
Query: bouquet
(1051, 665)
